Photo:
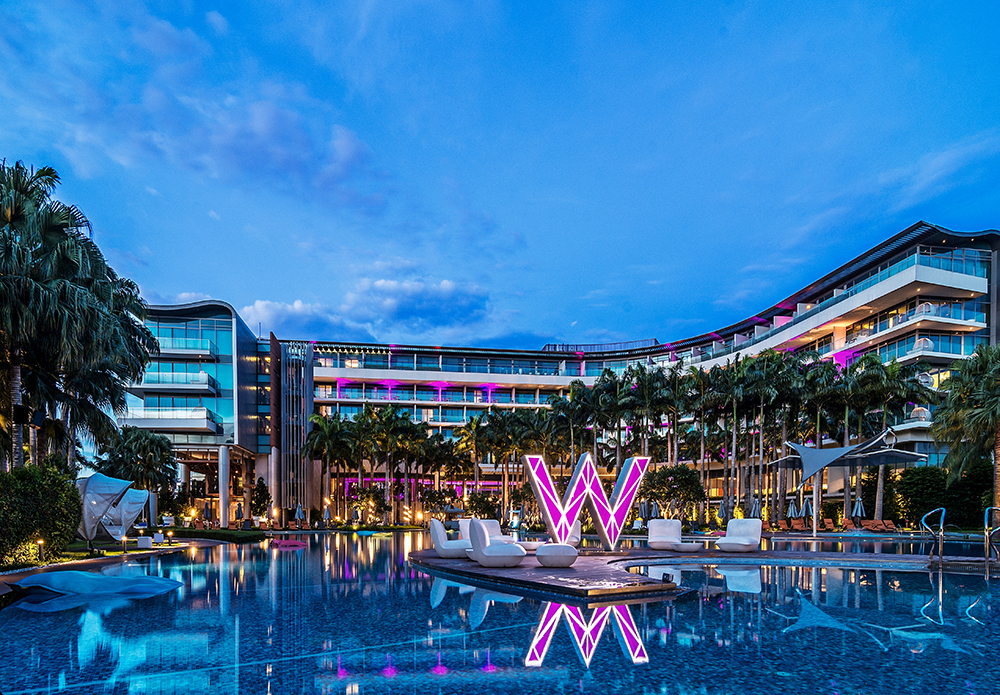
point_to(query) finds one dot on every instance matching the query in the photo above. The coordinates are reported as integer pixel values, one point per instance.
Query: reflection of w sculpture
(586, 635)
(585, 487)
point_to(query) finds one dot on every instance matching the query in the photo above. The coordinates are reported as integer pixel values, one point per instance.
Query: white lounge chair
(463, 528)
(481, 602)
(492, 554)
(665, 534)
(742, 536)
(440, 587)
(444, 547)
(495, 533)
(575, 534)
(744, 579)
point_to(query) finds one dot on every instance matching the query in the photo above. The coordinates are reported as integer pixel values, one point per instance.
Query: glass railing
(179, 378)
(194, 344)
(171, 414)
(973, 265)
(952, 311)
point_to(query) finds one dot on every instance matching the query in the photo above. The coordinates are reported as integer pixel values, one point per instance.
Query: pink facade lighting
(586, 634)
(585, 487)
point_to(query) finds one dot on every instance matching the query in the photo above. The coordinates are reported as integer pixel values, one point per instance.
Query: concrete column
(249, 480)
(185, 476)
(272, 480)
(224, 486)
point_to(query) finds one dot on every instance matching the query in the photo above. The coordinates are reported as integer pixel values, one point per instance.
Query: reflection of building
(924, 294)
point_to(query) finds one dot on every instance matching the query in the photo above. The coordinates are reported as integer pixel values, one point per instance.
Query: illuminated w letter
(586, 635)
(585, 486)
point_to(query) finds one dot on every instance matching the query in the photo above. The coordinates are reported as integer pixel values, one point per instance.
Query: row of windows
(377, 392)
(222, 373)
(223, 407)
(436, 363)
(218, 332)
(417, 414)
(972, 310)
(946, 343)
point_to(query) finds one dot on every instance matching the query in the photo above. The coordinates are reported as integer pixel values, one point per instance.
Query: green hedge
(234, 536)
(35, 503)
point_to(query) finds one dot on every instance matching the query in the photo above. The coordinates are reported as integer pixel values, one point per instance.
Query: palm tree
(612, 394)
(331, 441)
(472, 439)
(968, 419)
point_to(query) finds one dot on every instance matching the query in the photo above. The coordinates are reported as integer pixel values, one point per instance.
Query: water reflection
(348, 615)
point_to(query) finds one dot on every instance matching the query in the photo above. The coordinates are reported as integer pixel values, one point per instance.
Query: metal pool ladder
(938, 537)
(989, 544)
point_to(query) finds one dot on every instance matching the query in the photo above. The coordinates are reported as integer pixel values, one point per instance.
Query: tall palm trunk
(996, 474)
(17, 431)
(850, 470)
(880, 490)
(730, 503)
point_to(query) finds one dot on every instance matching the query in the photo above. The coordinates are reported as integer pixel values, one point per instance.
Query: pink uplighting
(439, 669)
(390, 670)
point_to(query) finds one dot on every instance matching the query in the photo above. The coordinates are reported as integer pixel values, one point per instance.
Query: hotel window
(350, 411)
(350, 361)
(452, 364)
(594, 368)
(351, 391)
(452, 415)
(452, 395)
(477, 366)
(523, 367)
(401, 362)
(548, 368)
(425, 394)
(428, 363)
(544, 396)
(572, 369)
(500, 396)
(500, 366)
(426, 414)
(376, 393)
(525, 398)
(376, 361)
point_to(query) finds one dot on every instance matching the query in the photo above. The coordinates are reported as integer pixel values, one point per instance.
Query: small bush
(36, 503)
(234, 536)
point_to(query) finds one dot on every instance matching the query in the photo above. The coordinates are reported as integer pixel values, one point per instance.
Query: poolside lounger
(848, 525)
(444, 547)
(783, 525)
(199, 524)
(490, 554)
(765, 525)
(799, 525)
(665, 534)
(891, 526)
(493, 530)
(828, 525)
(742, 536)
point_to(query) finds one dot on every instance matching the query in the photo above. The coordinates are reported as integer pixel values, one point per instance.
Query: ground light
(41, 550)
(170, 537)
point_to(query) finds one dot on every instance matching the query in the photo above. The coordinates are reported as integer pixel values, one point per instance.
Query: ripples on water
(347, 615)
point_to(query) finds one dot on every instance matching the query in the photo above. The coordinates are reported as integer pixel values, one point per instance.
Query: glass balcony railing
(179, 378)
(171, 414)
(187, 344)
(971, 264)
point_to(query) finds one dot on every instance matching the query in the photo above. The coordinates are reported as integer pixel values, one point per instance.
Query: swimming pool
(347, 615)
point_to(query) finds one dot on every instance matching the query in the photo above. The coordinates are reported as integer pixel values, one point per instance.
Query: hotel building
(237, 408)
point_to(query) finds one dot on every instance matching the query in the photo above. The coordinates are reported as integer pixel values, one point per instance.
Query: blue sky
(502, 174)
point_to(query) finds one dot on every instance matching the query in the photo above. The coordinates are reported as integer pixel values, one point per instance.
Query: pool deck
(602, 578)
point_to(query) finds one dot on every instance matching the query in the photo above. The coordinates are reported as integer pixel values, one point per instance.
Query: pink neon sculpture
(585, 487)
(586, 635)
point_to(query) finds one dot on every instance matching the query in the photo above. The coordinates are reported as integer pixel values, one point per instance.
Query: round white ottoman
(556, 555)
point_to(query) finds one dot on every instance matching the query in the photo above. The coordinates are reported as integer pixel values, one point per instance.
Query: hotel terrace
(237, 407)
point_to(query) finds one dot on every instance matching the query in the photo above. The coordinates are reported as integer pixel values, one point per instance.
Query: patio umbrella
(239, 511)
(807, 508)
(793, 511)
(656, 510)
(755, 509)
(859, 509)
(326, 513)
(208, 512)
(298, 512)
(722, 510)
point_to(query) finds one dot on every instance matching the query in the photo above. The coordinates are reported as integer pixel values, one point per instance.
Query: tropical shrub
(921, 490)
(36, 503)
(674, 488)
(260, 498)
(482, 505)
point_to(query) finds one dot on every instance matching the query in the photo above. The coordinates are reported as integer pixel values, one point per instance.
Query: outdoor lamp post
(170, 537)
(41, 550)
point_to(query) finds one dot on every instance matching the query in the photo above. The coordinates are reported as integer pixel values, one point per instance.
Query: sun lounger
(665, 534)
(890, 526)
(783, 525)
(765, 526)
(848, 525)
(490, 554)
(493, 530)
(444, 547)
(828, 525)
(799, 525)
(742, 536)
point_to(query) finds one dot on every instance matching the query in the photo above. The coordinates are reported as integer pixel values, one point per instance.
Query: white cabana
(99, 494)
(120, 517)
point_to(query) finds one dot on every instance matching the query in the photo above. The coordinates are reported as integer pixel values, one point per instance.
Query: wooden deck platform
(603, 578)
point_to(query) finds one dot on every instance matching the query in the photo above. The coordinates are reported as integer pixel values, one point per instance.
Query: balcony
(199, 383)
(173, 419)
(188, 347)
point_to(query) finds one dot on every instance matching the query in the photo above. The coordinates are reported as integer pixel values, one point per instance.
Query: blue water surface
(348, 615)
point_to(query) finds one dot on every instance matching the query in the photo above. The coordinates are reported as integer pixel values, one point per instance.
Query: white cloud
(217, 22)
(214, 215)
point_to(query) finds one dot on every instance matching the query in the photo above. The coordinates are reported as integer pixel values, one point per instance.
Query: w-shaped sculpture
(586, 635)
(585, 487)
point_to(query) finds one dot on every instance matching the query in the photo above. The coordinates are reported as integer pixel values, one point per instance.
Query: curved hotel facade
(237, 407)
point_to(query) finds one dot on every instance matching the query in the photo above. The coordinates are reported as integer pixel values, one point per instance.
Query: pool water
(348, 615)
